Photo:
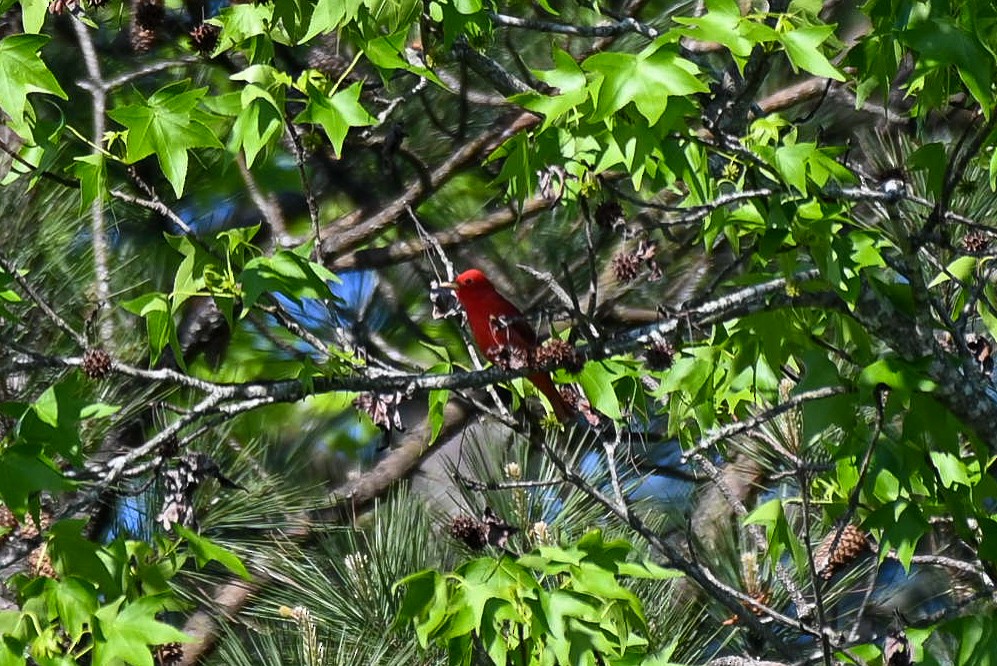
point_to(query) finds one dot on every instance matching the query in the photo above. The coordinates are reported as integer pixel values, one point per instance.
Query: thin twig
(299, 159)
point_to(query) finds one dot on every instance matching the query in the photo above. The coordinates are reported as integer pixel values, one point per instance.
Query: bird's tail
(562, 410)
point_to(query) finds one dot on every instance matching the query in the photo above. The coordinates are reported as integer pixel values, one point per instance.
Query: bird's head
(470, 282)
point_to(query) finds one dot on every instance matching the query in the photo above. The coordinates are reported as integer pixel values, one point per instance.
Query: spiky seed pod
(204, 38)
(96, 364)
(470, 531)
(40, 564)
(609, 214)
(559, 352)
(169, 654)
(660, 355)
(626, 266)
(853, 542)
(975, 241)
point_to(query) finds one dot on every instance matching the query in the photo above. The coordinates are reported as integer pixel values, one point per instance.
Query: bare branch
(606, 30)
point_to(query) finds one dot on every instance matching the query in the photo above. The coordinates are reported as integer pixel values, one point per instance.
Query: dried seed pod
(853, 542)
(96, 364)
(470, 531)
(204, 38)
(147, 18)
(976, 241)
(626, 266)
(560, 353)
(659, 355)
(31, 530)
(169, 654)
(40, 564)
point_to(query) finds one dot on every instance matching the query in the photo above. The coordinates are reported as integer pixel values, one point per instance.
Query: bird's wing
(512, 329)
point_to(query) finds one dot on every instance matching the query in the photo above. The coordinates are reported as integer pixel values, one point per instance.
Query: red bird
(499, 328)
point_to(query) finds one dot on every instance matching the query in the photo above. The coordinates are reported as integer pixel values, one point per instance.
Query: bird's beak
(448, 285)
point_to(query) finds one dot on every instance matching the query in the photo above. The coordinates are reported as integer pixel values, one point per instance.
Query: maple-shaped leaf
(168, 124)
(336, 113)
(647, 79)
(129, 630)
(569, 80)
(22, 72)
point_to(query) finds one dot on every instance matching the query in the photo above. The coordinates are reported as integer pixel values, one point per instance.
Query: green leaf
(437, 403)
(720, 24)
(898, 374)
(284, 272)
(91, 173)
(961, 269)
(206, 551)
(168, 124)
(941, 43)
(951, 470)
(568, 78)
(22, 72)
(336, 114)
(33, 14)
(128, 629)
(240, 22)
(781, 537)
(25, 475)
(155, 308)
(802, 47)
(74, 555)
(646, 79)
(75, 601)
(330, 15)
(597, 383)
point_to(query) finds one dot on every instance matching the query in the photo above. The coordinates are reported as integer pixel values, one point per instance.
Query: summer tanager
(498, 327)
